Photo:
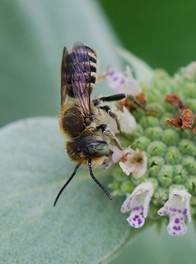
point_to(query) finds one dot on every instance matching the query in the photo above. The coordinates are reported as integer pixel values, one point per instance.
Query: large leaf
(33, 34)
(84, 227)
(158, 247)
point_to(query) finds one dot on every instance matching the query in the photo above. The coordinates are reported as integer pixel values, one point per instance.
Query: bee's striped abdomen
(81, 67)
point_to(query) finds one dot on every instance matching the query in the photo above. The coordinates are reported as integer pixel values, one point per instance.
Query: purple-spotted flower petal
(178, 209)
(122, 82)
(138, 204)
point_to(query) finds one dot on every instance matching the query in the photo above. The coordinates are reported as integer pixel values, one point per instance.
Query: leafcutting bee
(82, 119)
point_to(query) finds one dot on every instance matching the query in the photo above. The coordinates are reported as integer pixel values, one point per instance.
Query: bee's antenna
(97, 182)
(67, 182)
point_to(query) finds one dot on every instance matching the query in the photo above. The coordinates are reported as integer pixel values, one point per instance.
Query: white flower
(135, 162)
(130, 160)
(126, 121)
(138, 204)
(122, 82)
(178, 209)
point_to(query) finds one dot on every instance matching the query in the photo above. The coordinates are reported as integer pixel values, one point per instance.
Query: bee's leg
(101, 127)
(108, 110)
(111, 98)
(109, 134)
(96, 181)
(67, 182)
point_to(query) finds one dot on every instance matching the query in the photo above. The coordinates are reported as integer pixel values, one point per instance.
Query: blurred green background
(162, 32)
(33, 34)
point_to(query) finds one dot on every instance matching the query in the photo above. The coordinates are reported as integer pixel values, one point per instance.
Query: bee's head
(88, 147)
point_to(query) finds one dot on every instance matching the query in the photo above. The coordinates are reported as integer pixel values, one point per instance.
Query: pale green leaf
(153, 247)
(84, 227)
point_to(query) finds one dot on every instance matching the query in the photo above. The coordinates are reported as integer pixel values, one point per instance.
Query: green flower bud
(170, 136)
(127, 187)
(156, 148)
(160, 196)
(139, 129)
(139, 113)
(191, 185)
(154, 133)
(186, 134)
(190, 164)
(187, 147)
(155, 108)
(136, 181)
(173, 155)
(155, 163)
(141, 143)
(165, 175)
(180, 174)
(148, 121)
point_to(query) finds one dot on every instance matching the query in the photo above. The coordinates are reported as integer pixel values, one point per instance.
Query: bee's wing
(63, 82)
(81, 90)
(79, 45)
(81, 78)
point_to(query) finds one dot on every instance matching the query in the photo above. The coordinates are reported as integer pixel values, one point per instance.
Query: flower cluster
(157, 165)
